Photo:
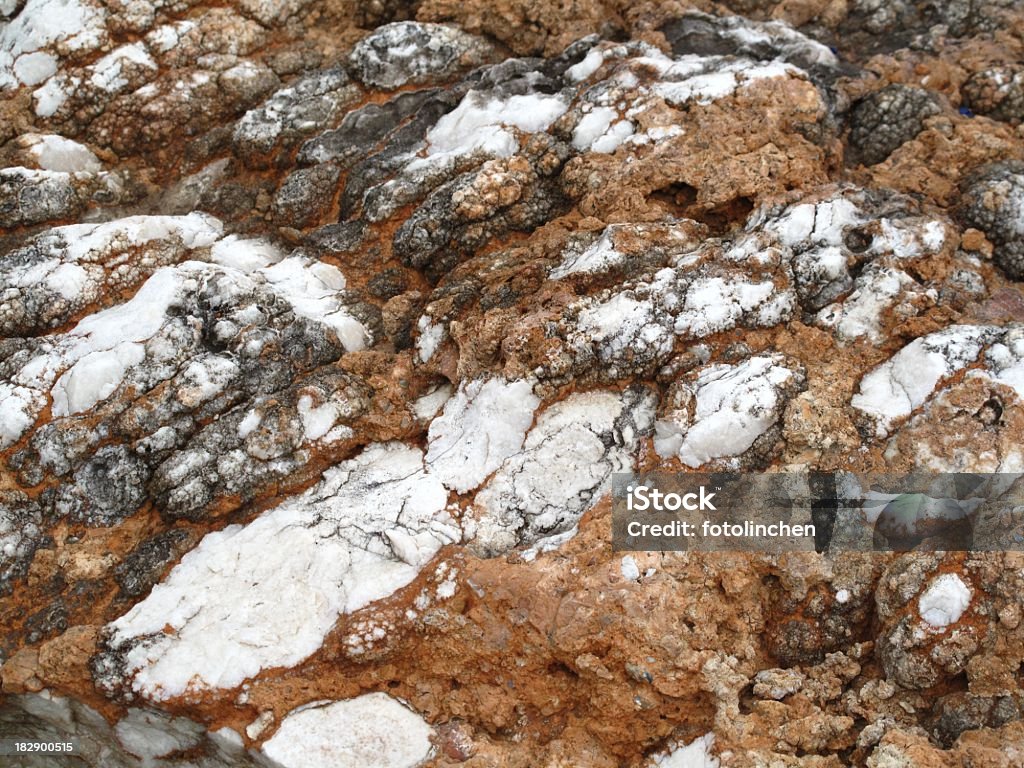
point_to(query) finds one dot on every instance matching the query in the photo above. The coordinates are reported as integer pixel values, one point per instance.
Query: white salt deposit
(563, 469)
(894, 389)
(312, 288)
(945, 601)
(370, 731)
(431, 335)
(265, 594)
(109, 73)
(629, 569)
(55, 153)
(598, 258)
(696, 754)
(41, 24)
(245, 255)
(481, 124)
(482, 425)
(734, 405)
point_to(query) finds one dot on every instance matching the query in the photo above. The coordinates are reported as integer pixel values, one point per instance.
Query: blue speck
(966, 111)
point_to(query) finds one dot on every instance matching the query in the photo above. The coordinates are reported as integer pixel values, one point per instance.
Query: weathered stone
(325, 326)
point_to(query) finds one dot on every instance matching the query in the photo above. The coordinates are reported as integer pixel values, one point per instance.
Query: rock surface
(324, 325)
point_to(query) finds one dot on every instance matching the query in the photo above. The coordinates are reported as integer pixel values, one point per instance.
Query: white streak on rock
(901, 384)
(265, 594)
(482, 425)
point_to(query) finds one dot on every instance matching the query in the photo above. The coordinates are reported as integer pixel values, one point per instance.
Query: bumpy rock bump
(993, 201)
(883, 121)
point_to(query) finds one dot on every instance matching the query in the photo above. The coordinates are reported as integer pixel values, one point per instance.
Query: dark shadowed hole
(858, 240)
(558, 668)
(677, 199)
(728, 215)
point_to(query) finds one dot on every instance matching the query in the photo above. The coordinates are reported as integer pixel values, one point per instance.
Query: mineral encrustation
(324, 325)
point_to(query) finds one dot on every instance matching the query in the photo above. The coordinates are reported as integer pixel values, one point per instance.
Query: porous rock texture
(324, 325)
